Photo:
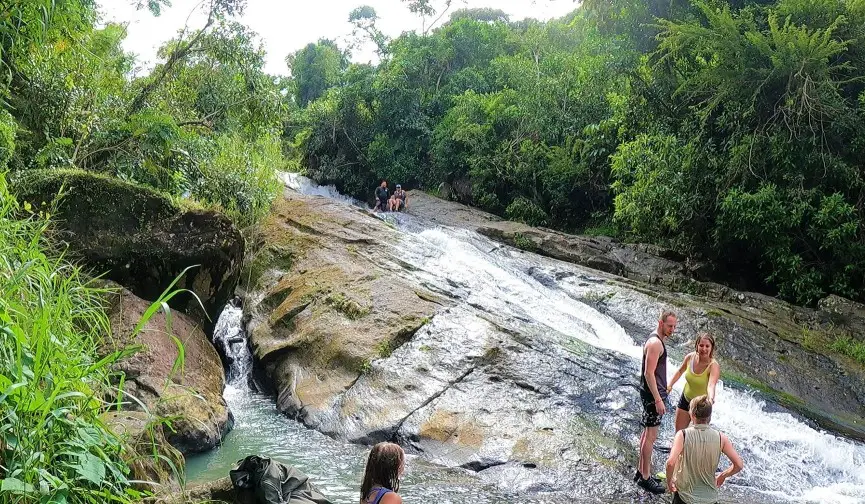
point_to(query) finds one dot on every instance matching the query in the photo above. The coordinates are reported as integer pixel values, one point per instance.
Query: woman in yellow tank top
(701, 372)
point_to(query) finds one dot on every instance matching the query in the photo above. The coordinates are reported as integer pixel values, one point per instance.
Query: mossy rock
(139, 238)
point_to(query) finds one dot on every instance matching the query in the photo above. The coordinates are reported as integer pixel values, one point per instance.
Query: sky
(287, 25)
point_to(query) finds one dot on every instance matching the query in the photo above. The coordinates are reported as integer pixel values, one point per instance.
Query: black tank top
(660, 372)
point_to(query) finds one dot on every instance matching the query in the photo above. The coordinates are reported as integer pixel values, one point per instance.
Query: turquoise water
(335, 467)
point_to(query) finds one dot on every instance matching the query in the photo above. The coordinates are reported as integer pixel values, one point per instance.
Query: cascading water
(229, 338)
(786, 459)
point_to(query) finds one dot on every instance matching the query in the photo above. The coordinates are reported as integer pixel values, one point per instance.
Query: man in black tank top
(653, 394)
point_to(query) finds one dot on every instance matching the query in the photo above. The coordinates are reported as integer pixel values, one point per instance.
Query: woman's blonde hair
(701, 408)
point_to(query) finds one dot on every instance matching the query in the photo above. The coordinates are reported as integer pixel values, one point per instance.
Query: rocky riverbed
(517, 367)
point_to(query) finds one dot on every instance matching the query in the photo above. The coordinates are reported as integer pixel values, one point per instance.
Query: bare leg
(647, 444)
(683, 418)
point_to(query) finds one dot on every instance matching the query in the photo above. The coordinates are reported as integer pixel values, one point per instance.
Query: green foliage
(52, 441)
(523, 242)
(850, 347)
(238, 176)
(659, 191)
(315, 68)
(75, 106)
(730, 131)
(484, 14)
(7, 138)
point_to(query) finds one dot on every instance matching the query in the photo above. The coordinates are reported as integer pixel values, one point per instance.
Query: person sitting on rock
(695, 455)
(384, 468)
(400, 199)
(701, 372)
(391, 203)
(381, 196)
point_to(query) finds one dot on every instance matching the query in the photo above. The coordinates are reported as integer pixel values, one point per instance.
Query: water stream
(786, 459)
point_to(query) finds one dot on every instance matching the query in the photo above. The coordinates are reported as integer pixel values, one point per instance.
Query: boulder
(846, 315)
(324, 301)
(140, 238)
(187, 391)
(140, 433)
(357, 346)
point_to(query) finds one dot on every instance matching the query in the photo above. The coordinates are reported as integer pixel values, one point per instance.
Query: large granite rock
(140, 239)
(186, 391)
(325, 302)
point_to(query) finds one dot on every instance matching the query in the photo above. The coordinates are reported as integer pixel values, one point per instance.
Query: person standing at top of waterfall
(384, 468)
(695, 455)
(653, 393)
(701, 372)
(381, 196)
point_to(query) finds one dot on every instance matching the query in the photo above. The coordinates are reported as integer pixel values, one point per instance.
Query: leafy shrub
(52, 442)
(527, 211)
(238, 176)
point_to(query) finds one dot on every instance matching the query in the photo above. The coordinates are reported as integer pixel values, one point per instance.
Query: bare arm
(730, 452)
(680, 372)
(675, 451)
(714, 374)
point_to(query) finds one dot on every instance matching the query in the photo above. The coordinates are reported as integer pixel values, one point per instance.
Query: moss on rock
(139, 238)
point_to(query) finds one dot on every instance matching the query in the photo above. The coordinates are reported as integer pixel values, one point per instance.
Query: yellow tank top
(696, 384)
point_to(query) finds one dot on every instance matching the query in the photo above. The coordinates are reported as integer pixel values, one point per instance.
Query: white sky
(287, 25)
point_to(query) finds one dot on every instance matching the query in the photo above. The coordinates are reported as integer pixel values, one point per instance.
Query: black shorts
(684, 404)
(651, 418)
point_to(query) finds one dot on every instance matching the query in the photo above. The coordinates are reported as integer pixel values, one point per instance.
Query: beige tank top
(695, 472)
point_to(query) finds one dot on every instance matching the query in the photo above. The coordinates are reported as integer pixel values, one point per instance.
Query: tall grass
(53, 446)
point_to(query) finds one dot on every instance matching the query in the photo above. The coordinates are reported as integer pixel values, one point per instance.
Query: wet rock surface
(782, 349)
(324, 306)
(483, 380)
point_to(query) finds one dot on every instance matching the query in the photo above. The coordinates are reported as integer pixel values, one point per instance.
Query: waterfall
(787, 459)
(229, 337)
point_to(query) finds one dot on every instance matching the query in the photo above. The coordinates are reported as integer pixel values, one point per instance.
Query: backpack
(274, 482)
